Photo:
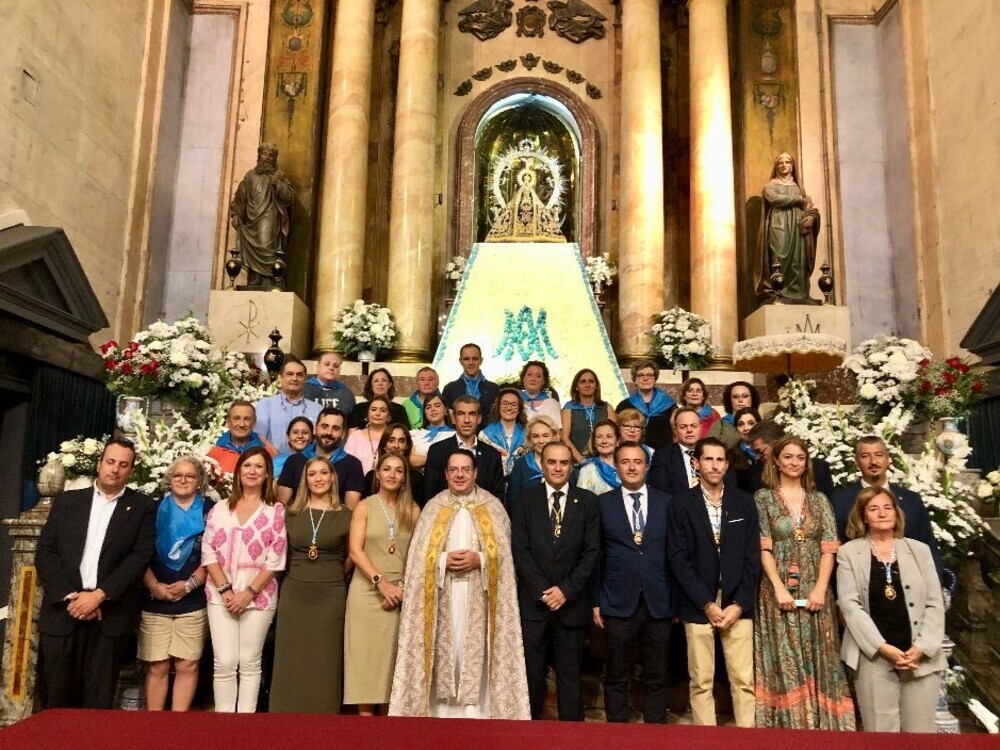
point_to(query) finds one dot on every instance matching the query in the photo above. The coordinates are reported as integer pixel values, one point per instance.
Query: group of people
(417, 560)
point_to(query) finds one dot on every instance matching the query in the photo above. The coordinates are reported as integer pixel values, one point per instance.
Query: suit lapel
(119, 517)
(620, 513)
(81, 502)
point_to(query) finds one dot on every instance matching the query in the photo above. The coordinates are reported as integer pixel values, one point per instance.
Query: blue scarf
(660, 403)
(331, 386)
(176, 530)
(750, 452)
(532, 463)
(472, 384)
(494, 431)
(729, 420)
(433, 432)
(529, 399)
(415, 400)
(337, 455)
(608, 473)
(226, 441)
(705, 412)
(279, 461)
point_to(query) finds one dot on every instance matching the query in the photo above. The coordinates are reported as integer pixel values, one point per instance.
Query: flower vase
(949, 438)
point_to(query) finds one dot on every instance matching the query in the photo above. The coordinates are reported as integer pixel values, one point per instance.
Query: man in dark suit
(672, 468)
(715, 558)
(635, 601)
(555, 537)
(92, 554)
(872, 458)
(489, 473)
(766, 433)
(471, 382)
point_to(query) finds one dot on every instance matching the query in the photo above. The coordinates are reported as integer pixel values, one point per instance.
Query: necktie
(692, 471)
(556, 515)
(638, 523)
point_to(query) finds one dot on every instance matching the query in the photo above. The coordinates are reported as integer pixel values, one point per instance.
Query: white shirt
(101, 510)
(467, 447)
(629, 505)
(549, 489)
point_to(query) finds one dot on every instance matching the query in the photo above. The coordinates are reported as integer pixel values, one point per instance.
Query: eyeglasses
(645, 375)
(459, 469)
(186, 477)
(630, 427)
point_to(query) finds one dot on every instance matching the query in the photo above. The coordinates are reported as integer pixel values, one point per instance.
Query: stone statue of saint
(788, 231)
(260, 213)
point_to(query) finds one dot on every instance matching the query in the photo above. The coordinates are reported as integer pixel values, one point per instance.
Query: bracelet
(193, 580)
(251, 590)
(227, 586)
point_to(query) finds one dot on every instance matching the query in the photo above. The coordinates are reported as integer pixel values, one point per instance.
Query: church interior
(525, 137)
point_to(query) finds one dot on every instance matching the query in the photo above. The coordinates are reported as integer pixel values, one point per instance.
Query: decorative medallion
(297, 13)
(485, 19)
(531, 21)
(576, 20)
(529, 61)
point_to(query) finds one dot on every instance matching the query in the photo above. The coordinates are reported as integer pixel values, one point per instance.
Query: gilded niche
(531, 21)
(576, 20)
(485, 19)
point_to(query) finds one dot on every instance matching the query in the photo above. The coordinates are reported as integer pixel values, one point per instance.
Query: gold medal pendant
(557, 530)
(637, 538)
(313, 552)
(890, 592)
(718, 538)
(800, 536)
(392, 548)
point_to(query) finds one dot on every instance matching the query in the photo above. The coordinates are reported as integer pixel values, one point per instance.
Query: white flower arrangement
(176, 363)
(79, 456)
(600, 270)
(886, 368)
(988, 489)
(364, 327)
(455, 269)
(682, 338)
(160, 446)
(831, 433)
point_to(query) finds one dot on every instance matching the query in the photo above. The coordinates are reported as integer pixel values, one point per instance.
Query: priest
(460, 650)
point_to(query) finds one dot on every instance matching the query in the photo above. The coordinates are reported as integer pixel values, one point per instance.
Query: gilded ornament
(529, 61)
(485, 19)
(576, 20)
(518, 212)
(531, 21)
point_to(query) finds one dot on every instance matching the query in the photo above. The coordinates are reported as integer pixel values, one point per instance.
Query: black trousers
(567, 645)
(653, 637)
(81, 669)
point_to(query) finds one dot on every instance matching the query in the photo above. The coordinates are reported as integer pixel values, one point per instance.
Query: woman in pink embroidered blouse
(244, 545)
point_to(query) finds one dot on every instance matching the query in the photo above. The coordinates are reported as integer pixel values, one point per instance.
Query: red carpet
(121, 730)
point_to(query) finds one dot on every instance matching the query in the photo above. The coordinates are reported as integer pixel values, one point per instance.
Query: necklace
(588, 412)
(392, 525)
(798, 516)
(890, 590)
(313, 549)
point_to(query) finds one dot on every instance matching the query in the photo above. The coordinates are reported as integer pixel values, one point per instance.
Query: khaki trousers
(892, 701)
(737, 647)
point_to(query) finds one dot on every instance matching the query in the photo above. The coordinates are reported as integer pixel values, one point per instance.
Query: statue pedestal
(772, 320)
(241, 321)
(20, 643)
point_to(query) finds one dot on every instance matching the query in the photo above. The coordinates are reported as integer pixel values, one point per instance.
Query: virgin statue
(788, 233)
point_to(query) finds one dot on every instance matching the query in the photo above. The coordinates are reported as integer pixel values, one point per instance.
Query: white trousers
(237, 643)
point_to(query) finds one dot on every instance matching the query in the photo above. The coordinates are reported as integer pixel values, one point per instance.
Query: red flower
(954, 362)
(147, 369)
(924, 363)
(109, 364)
(941, 390)
(948, 378)
(977, 386)
(963, 368)
(107, 346)
(128, 354)
(134, 346)
(925, 387)
(126, 368)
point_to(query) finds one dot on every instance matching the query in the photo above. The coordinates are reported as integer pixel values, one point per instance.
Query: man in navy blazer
(635, 601)
(489, 473)
(715, 558)
(672, 470)
(92, 554)
(872, 458)
(556, 540)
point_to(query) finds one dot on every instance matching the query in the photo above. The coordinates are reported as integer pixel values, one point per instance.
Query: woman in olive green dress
(381, 527)
(309, 645)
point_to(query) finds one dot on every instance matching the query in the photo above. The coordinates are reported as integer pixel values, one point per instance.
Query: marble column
(713, 204)
(341, 226)
(411, 218)
(640, 246)
(20, 643)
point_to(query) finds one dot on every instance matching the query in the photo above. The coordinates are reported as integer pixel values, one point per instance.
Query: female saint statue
(788, 233)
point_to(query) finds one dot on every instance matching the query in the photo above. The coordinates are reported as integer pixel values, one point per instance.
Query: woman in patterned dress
(800, 680)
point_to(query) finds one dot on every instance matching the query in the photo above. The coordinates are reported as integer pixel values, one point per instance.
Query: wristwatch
(376, 579)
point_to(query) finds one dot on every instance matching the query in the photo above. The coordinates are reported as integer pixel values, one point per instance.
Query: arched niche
(585, 132)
